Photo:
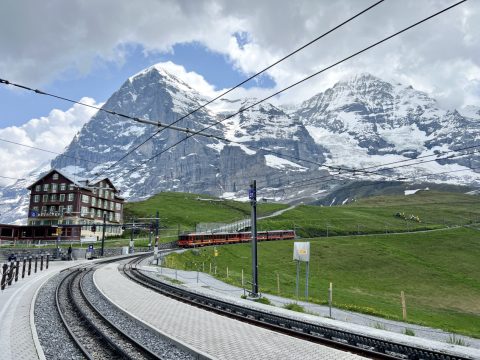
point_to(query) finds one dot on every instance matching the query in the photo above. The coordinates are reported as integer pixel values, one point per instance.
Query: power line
(421, 157)
(247, 80)
(170, 126)
(305, 79)
(49, 151)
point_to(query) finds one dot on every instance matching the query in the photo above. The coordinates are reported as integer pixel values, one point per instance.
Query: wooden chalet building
(59, 198)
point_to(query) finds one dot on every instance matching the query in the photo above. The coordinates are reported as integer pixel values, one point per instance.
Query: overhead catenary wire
(303, 80)
(171, 126)
(199, 132)
(50, 151)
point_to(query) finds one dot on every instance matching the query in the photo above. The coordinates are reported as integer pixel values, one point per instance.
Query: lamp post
(103, 231)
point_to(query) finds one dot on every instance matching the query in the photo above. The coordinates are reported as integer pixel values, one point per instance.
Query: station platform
(18, 338)
(425, 337)
(209, 334)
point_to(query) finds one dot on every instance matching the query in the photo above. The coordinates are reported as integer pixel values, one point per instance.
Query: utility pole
(157, 227)
(103, 231)
(131, 236)
(252, 195)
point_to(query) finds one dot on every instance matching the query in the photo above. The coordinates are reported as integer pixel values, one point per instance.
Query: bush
(263, 300)
(409, 332)
(294, 307)
(453, 339)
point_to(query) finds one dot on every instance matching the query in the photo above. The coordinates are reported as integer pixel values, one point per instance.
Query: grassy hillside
(185, 210)
(438, 271)
(377, 215)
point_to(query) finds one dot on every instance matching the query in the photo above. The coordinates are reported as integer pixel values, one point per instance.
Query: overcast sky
(83, 48)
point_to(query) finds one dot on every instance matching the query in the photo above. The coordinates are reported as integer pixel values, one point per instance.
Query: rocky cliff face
(199, 164)
(360, 122)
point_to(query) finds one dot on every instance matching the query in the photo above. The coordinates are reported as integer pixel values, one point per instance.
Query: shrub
(294, 307)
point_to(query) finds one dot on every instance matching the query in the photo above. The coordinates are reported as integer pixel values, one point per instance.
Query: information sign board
(301, 251)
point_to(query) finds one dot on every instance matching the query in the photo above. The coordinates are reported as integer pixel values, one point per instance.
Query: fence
(10, 271)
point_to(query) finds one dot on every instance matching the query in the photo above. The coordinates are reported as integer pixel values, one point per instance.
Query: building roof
(77, 181)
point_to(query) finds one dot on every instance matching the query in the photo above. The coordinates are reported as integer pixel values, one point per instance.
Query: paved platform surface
(214, 335)
(343, 320)
(16, 333)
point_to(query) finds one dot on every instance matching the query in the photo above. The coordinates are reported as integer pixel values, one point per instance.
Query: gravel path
(157, 344)
(53, 336)
(56, 342)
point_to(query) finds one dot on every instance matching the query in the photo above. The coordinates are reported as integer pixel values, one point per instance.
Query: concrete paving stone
(218, 336)
(17, 333)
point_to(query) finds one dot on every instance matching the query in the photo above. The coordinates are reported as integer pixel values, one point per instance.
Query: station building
(59, 198)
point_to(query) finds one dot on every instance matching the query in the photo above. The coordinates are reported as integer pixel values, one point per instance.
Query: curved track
(95, 336)
(343, 340)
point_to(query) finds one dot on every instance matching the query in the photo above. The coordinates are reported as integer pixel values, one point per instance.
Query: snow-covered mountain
(360, 122)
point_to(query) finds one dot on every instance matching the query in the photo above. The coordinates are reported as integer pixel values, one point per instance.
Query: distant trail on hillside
(277, 213)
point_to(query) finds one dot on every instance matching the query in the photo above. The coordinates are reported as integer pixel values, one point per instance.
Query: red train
(204, 239)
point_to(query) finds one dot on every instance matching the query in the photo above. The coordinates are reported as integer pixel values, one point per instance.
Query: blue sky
(19, 106)
(82, 52)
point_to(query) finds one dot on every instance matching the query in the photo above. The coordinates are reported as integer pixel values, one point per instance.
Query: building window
(54, 187)
(110, 216)
(111, 195)
(111, 205)
(99, 202)
(44, 209)
(53, 197)
(118, 206)
(69, 208)
(55, 176)
(84, 211)
(61, 208)
(100, 193)
(85, 199)
(38, 187)
(36, 198)
(94, 201)
(45, 187)
(99, 213)
(117, 217)
(52, 209)
(35, 208)
(92, 212)
(62, 197)
(71, 187)
(45, 198)
(63, 187)
(71, 197)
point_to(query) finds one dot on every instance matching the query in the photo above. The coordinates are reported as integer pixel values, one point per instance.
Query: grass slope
(184, 210)
(376, 215)
(438, 271)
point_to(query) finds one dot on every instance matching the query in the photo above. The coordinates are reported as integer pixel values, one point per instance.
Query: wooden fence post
(404, 306)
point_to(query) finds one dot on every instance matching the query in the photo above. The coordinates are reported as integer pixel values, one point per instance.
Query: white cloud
(440, 56)
(53, 132)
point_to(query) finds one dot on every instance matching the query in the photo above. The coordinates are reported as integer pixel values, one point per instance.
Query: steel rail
(360, 344)
(118, 351)
(130, 340)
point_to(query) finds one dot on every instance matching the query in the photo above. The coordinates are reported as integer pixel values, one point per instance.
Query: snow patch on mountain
(279, 163)
(407, 137)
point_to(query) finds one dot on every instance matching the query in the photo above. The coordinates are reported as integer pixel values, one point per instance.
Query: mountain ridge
(359, 122)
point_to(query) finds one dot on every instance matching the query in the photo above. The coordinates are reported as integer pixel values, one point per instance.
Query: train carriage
(205, 239)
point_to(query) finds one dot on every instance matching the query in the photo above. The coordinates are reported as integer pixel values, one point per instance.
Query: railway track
(95, 336)
(360, 344)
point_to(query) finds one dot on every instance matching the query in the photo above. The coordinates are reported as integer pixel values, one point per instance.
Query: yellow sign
(59, 231)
